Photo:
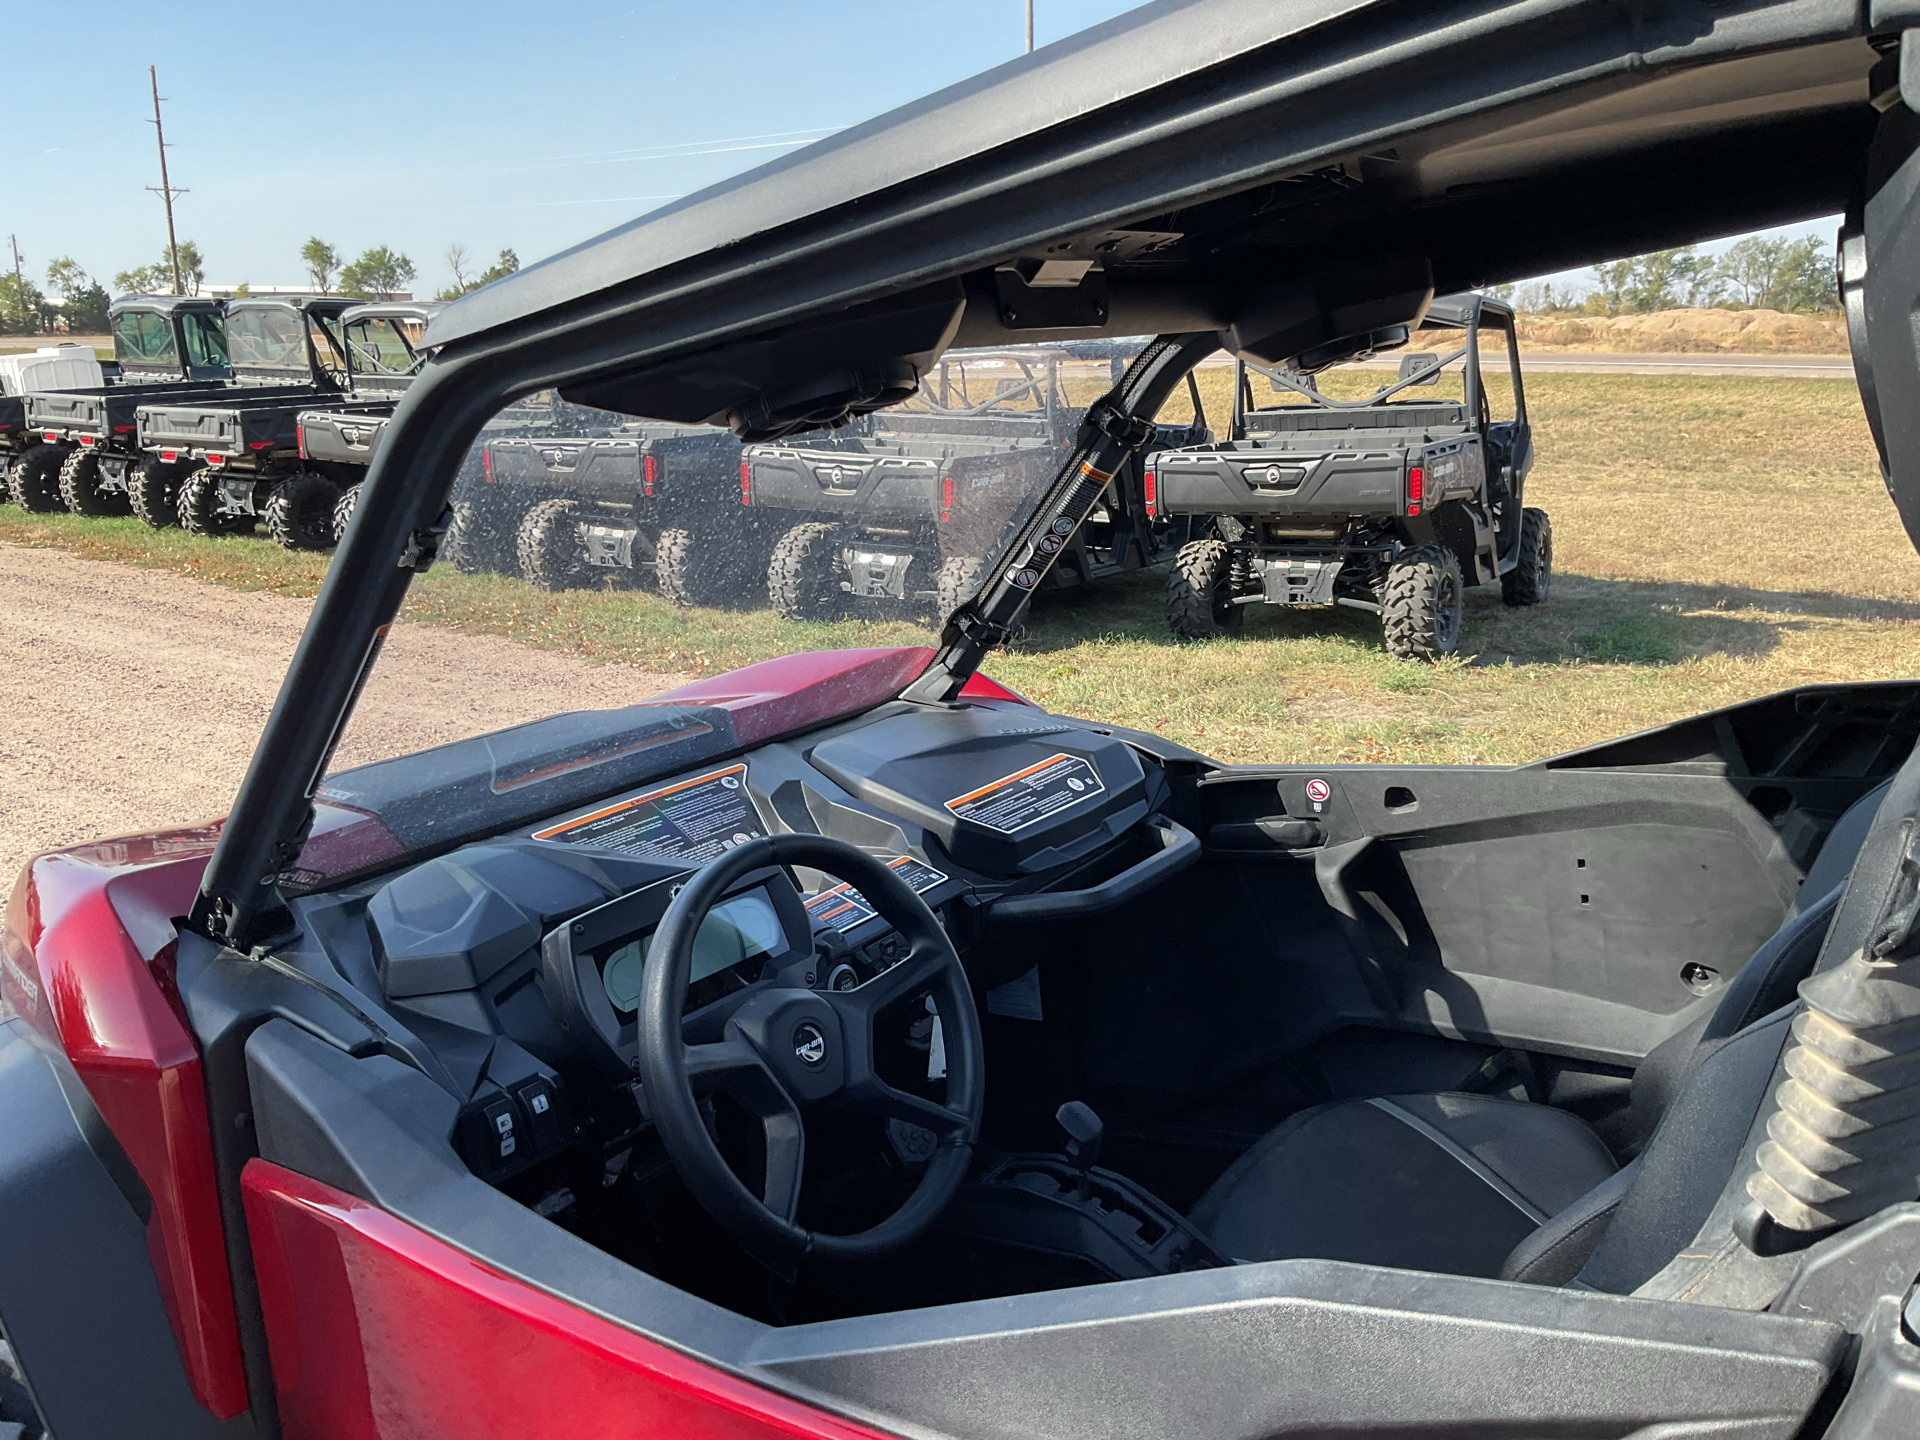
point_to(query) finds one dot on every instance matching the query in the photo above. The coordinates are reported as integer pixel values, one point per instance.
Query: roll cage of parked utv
(169, 337)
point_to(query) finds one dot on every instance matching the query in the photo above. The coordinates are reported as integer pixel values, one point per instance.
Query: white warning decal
(693, 820)
(1028, 796)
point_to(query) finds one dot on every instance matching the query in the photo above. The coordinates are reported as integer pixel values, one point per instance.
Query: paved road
(131, 699)
(1795, 367)
(1779, 367)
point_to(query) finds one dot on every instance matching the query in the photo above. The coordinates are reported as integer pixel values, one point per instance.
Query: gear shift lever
(1085, 1131)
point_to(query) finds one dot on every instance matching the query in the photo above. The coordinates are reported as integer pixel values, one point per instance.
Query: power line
(165, 189)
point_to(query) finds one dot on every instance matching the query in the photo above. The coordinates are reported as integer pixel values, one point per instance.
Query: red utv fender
(369, 1316)
(87, 941)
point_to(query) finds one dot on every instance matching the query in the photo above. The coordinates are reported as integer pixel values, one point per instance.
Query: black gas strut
(1118, 426)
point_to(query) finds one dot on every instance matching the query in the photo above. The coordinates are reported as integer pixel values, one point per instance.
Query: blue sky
(419, 123)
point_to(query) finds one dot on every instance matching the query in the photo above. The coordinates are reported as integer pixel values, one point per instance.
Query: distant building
(225, 292)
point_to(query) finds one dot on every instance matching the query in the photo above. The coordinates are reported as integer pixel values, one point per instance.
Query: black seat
(1468, 1184)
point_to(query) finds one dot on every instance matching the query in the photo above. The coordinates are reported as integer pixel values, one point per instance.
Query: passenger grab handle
(1179, 848)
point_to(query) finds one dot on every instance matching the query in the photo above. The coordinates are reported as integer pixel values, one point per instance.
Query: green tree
(145, 280)
(322, 261)
(1806, 280)
(1665, 279)
(1612, 281)
(22, 306)
(157, 278)
(83, 300)
(66, 277)
(378, 274)
(193, 267)
(1751, 267)
(86, 309)
(504, 265)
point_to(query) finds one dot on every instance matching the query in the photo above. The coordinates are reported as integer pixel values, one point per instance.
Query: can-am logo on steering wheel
(809, 1044)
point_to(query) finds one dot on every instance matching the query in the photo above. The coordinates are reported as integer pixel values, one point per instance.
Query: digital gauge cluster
(595, 965)
(735, 933)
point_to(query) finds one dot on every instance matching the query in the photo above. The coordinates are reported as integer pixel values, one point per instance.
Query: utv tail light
(486, 466)
(214, 462)
(1416, 482)
(258, 444)
(168, 457)
(1150, 489)
(649, 469)
(746, 483)
(300, 438)
(52, 437)
(121, 429)
(86, 440)
(946, 498)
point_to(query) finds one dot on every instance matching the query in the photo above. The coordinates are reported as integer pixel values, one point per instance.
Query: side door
(1588, 904)
(204, 340)
(1509, 436)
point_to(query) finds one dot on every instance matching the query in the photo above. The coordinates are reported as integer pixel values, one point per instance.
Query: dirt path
(131, 699)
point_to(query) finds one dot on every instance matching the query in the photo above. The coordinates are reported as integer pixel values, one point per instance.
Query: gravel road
(131, 699)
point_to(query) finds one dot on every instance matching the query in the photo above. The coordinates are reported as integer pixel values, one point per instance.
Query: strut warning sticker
(691, 820)
(845, 908)
(1029, 796)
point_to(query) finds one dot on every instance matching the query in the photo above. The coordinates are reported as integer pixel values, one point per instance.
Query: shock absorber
(1839, 1143)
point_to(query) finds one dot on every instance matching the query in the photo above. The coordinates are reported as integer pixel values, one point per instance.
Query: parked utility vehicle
(1392, 503)
(52, 367)
(488, 509)
(907, 510)
(240, 452)
(82, 452)
(642, 500)
(381, 341)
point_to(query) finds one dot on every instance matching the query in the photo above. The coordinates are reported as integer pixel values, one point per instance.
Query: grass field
(1715, 538)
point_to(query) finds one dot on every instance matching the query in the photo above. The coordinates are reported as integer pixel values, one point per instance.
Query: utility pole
(165, 188)
(14, 241)
(1029, 27)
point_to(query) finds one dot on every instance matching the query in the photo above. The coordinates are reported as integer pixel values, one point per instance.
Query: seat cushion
(1448, 1183)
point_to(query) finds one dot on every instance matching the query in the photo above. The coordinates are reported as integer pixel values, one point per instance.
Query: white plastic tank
(52, 367)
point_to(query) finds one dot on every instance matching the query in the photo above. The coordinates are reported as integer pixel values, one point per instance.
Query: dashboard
(518, 959)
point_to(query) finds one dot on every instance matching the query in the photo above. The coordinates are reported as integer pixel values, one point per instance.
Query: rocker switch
(502, 1129)
(542, 1103)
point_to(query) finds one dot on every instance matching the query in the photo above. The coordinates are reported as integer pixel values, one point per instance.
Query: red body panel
(377, 1330)
(981, 686)
(794, 692)
(76, 970)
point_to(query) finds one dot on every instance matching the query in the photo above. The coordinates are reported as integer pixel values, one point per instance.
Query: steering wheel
(790, 1052)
